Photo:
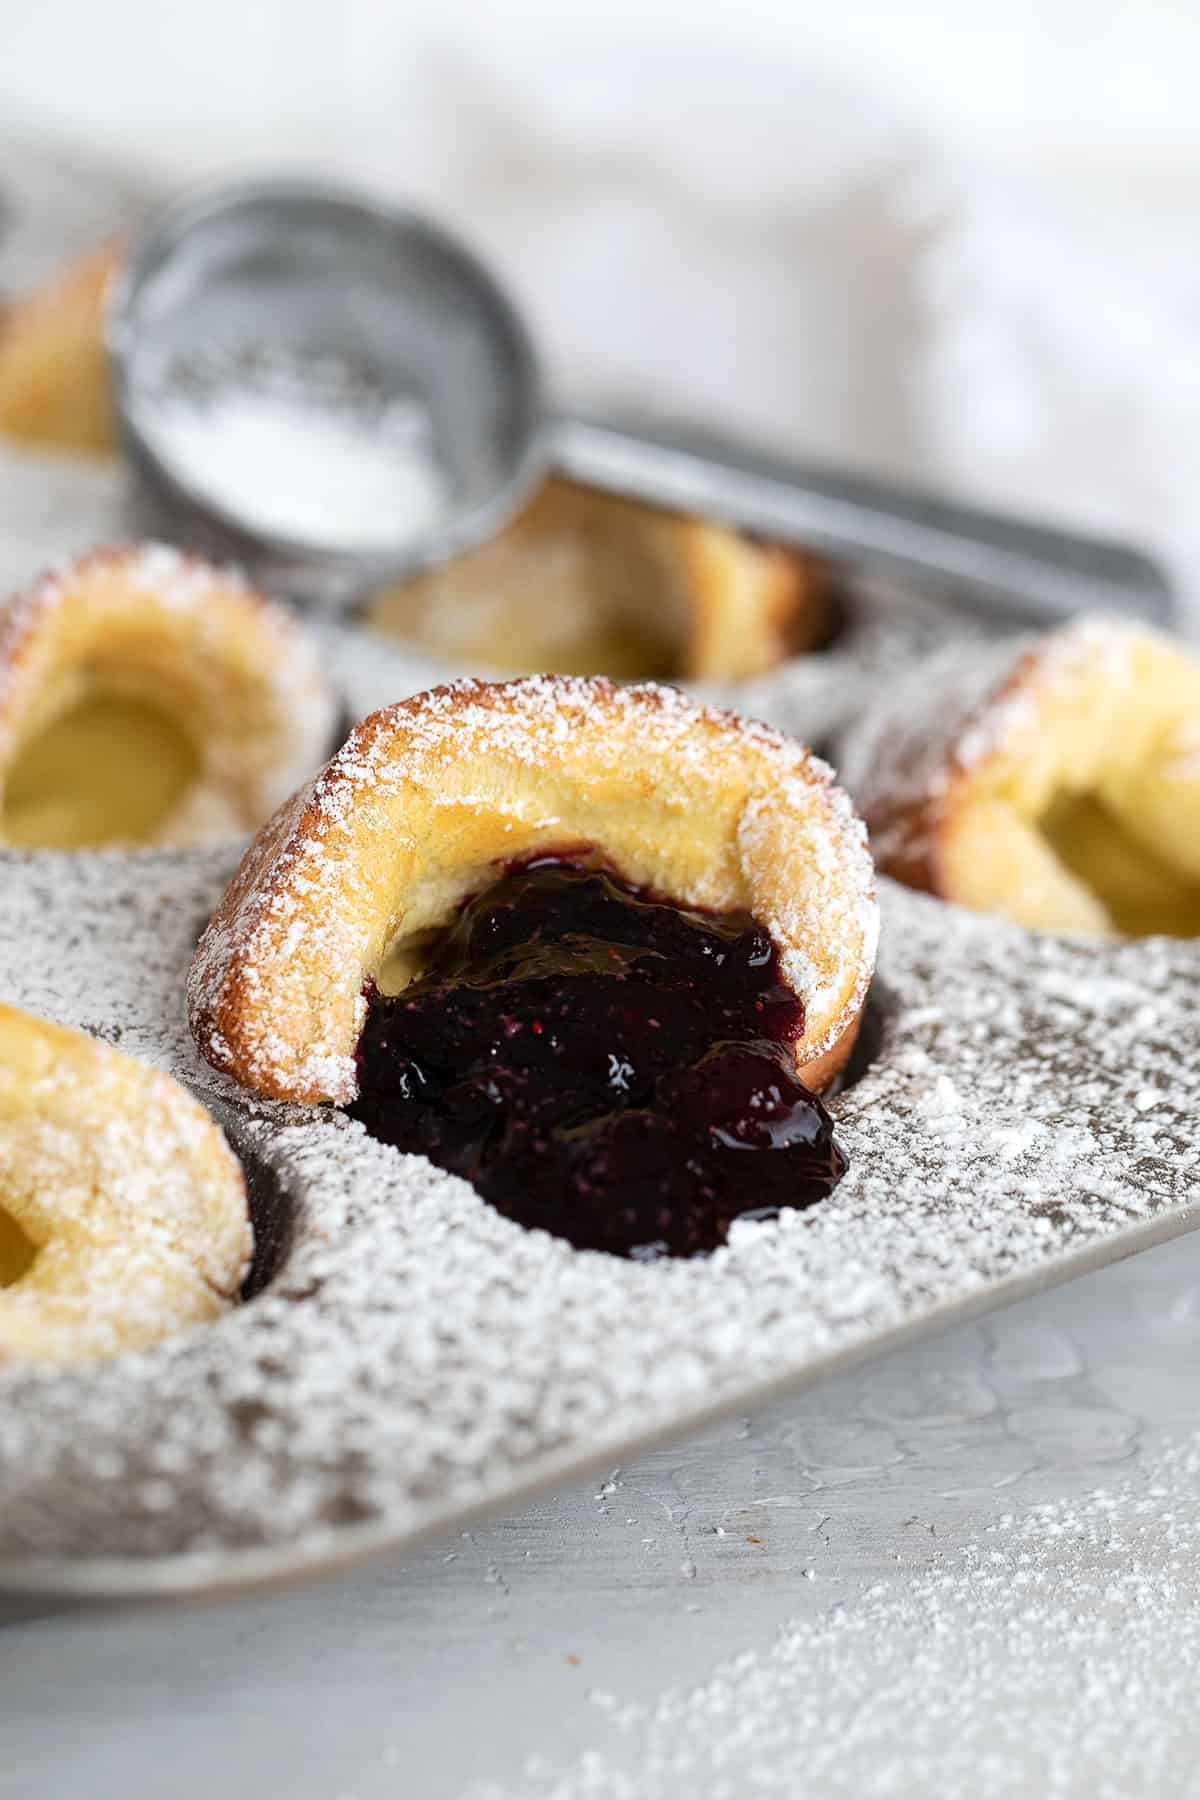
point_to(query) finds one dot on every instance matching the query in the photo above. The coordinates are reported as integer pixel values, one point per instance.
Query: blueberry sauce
(602, 1064)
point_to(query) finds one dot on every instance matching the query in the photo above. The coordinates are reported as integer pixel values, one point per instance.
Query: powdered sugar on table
(1056, 1655)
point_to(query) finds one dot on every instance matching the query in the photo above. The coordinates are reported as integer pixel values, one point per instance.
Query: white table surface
(425, 1675)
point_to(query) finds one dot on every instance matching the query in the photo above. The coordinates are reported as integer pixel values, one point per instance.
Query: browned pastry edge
(230, 667)
(54, 385)
(910, 781)
(130, 1200)
(1054, 782)
(661, 591)
(429, 796)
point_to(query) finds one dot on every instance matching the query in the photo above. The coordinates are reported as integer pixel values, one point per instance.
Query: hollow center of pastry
(17, 1252)
(559, 602)
(1141, 893)
(601, 1064)
(109, 770)
(585, 583)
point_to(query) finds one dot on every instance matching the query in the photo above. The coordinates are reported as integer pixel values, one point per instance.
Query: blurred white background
(954, 242)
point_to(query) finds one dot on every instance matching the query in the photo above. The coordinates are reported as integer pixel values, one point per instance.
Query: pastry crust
(123, 1213)
(587, 583)
(1055, 782)
(428, 798)
(54, 385)
(148, 696)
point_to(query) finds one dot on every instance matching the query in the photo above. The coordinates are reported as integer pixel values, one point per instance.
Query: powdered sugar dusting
(900, 756)
(827, 909)
(119, 1180)
(259, 756)
(419, 1355)
(1091, 647)
(952, 711)
(286, 924)
(1058, 1655)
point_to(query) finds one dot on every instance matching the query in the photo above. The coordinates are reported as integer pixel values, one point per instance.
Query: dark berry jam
(602, 1064)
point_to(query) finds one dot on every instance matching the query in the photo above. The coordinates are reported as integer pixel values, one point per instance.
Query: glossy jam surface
(604, 1065)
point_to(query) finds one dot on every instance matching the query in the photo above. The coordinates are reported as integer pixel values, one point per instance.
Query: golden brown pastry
(1056, 784)
(430, 799)
(54, 386)
(584, 583)
(148, 697)
(123, 1213)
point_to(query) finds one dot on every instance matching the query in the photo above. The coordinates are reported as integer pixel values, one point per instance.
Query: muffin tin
(1020, 1109)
